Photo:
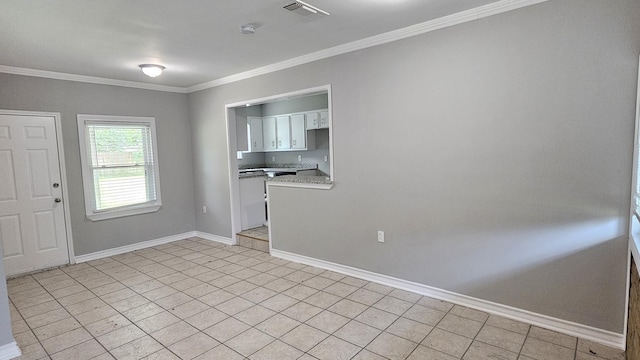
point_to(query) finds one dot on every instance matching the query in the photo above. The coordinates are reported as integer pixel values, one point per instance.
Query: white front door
(32, 224)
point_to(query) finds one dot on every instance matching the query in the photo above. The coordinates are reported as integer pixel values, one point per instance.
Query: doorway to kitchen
(270, 138)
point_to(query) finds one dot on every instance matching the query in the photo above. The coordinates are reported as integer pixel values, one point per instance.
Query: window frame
(87, 173)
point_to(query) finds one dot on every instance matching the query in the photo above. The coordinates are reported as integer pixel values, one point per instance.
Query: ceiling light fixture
(152, 70)
(247, 29)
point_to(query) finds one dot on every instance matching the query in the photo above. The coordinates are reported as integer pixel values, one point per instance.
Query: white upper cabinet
(269, 133)
(324, 120)
(283, 132)
(255, 134)
(298, 132)
(313, 120)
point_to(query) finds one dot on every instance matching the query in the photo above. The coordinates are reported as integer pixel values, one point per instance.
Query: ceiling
(198, 41)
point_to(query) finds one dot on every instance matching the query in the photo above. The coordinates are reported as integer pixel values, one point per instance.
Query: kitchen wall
(174, 151)
(280, 107)
(256, 158)
(316, 156)
(495, 154)
(309, 156)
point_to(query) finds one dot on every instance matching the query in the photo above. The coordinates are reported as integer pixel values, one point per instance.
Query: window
(119, 165)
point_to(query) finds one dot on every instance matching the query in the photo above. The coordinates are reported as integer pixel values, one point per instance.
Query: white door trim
(63, 171)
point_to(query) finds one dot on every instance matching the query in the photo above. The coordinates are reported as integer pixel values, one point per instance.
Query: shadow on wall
(585, 297)
(522, 250)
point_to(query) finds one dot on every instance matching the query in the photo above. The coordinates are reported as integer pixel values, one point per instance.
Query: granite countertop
(252, 175)
(277, 167)
(318, 180)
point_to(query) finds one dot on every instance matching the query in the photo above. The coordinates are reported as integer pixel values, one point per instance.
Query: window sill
(111, 214)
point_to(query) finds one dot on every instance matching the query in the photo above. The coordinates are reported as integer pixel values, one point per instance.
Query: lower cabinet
(252, 205)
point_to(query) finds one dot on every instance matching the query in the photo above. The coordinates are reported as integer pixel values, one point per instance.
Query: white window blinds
(121, 163)
(119, 160)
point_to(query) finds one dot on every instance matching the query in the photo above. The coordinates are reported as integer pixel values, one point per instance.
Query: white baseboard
(137, 246)
(567, 327)
(9, 351)
(216, 238)
(150, 243)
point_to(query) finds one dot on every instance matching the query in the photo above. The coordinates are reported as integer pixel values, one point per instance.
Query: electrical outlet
(325, 158)
(273, 158)
(204, 209)
(381, 236)
(299, 157)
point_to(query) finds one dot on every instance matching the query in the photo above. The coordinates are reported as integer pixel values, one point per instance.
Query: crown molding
(480, 12)
(88, 79)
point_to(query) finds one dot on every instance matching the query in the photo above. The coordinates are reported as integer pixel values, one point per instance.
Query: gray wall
(496, 155)
(174, 151)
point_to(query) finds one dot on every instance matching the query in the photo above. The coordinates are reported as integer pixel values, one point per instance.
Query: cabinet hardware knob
(56, 185)
(57, 200)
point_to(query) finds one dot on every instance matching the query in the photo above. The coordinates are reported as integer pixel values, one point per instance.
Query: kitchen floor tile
(226, 329)
(277, 325)
(304, 337)
(249, 342)
(391, 346)
(333, 348)
(446, 342)
(357, 333)
(193, 346)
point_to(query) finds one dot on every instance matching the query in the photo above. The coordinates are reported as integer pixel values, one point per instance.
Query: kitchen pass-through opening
(286, 139)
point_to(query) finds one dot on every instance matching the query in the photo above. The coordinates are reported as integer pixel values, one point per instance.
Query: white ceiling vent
(304, 9)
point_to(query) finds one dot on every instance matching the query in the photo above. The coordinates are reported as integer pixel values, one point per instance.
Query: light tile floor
(196, 299)
(261, 233)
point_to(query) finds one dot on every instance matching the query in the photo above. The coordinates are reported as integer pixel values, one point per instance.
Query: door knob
(57, 200)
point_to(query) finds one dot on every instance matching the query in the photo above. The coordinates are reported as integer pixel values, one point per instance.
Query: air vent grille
(304, 9)
(293, 7)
